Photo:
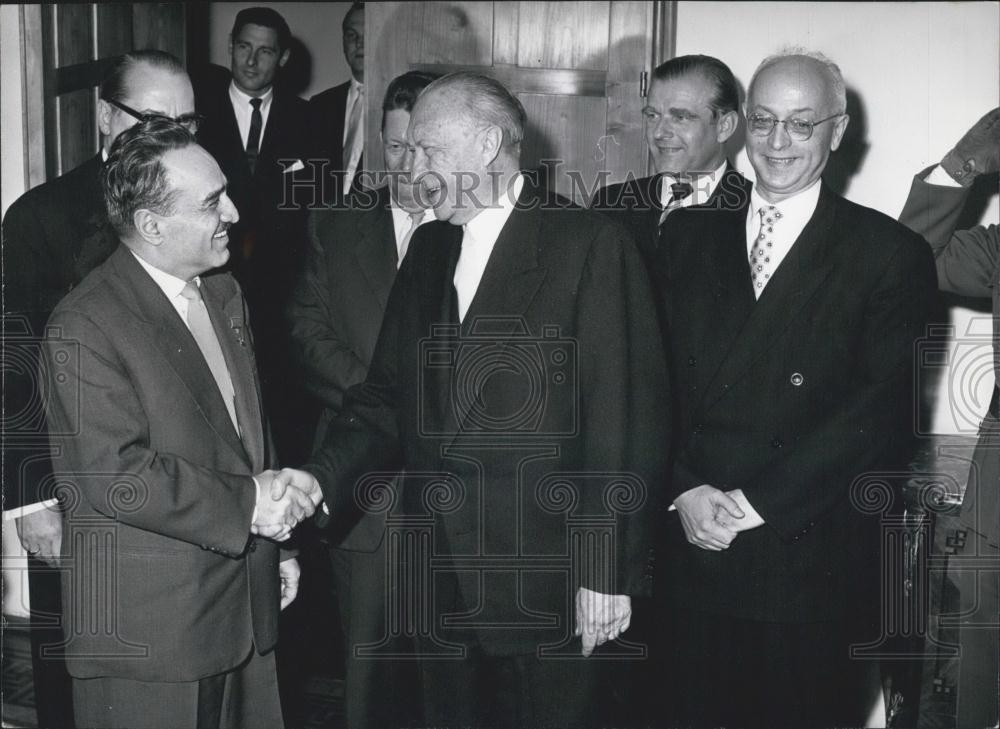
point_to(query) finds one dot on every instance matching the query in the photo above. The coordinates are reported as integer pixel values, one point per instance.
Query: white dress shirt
(401, 226)
(480, 235)
(353, 157)
(243, 112)
(702, 187)
(795, 213)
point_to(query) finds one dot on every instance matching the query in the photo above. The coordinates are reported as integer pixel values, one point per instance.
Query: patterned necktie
(679, 191)
(354, 139)
(204, 334)
(760, 253)
(415, 220)
(253, 139)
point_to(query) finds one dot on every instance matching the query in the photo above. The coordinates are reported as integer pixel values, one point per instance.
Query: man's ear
(284, 57)
(727, 126)
(230, 45)
(104, 117)
(839, 127)
(492, 141)
(148, 225)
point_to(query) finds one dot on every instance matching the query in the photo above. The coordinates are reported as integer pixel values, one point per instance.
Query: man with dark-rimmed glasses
(53, 236)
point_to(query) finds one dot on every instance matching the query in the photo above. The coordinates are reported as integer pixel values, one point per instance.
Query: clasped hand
(286, 498)
(712, 518)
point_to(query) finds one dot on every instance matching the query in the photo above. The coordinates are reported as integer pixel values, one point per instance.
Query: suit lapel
(177, 346)
(800, 274)
(375, 248)
(228, 320)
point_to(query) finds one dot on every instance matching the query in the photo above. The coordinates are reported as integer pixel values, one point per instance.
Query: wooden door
(579, 68)
(68, 48)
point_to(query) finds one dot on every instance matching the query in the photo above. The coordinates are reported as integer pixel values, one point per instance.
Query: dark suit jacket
(531, 413)
(269, 240)
(335, 316)
(327, 110)
(635, 204)
(792, 398)
(968, 263)
(161, 489)
(53, 236)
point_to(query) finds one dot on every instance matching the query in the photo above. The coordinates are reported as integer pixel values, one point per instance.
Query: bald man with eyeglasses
(53, 236)
(792, 322)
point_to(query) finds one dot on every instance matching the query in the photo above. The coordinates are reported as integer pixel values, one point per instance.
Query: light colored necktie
(465, 287)
(761, 267)
(415, 220)
(204, 334)
(354, 141)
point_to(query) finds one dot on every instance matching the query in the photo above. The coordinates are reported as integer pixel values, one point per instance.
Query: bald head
(795, 119)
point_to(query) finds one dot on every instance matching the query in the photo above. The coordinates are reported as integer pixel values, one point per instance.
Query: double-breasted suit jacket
(165, 581)
(795, 398)
(544, 407)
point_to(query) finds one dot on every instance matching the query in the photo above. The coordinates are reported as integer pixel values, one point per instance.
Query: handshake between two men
(285, 498)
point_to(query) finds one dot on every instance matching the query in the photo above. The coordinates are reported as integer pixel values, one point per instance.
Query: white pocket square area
(294, 167)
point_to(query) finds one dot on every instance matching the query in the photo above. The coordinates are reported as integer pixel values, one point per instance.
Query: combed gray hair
(485, 101)
(836, 78)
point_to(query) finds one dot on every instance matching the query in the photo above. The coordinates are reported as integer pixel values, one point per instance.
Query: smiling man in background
(691, 113)
(53, 236)
(792, 324)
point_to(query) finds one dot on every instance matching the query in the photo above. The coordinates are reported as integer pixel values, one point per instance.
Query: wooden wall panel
(75, 33)
(566, 129)
(631, 45)
(563, 35)
(114, 29)
(452, 32)
(77, 128)
(160, 25)
(505, 25)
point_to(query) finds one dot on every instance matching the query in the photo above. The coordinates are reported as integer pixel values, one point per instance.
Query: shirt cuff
(22, 511)
(938, 176)
(256, 501)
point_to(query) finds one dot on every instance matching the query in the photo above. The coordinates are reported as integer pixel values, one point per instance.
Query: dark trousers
(515, 691)
(380, 681)
(745, 673)
(52, 685)
(244, 698)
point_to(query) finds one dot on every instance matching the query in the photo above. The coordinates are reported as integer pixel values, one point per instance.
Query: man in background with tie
(259, 135)
(335, 316)
(171, 582)
(53, 236)
(792, 324)
(691, 113)
(338, 115)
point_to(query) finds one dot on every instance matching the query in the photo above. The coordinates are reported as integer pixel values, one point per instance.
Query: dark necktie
(679, 191)
(253, 139)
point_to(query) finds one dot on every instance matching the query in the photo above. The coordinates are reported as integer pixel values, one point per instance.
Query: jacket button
(692, 361)
(253, 545)
(797, 379)
(777, 442)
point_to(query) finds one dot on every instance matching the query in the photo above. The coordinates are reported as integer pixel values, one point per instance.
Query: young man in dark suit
(335, 316)
(512, 471)
(157, 426)
(792, 326)
(691, 113)
(53, 236)
(259, 135)
(337, 115)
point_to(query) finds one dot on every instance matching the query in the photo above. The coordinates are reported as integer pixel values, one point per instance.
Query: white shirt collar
(401, 223)
(795, 214)
(170, 284)
(703, 186)
(486, 226)
(242, 101)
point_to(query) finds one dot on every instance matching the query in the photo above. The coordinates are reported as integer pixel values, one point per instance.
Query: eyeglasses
(761, 125)
(188, 121)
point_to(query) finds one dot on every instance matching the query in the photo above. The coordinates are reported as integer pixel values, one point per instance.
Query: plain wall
(12, 173)
(923, 73)
(315, 25)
